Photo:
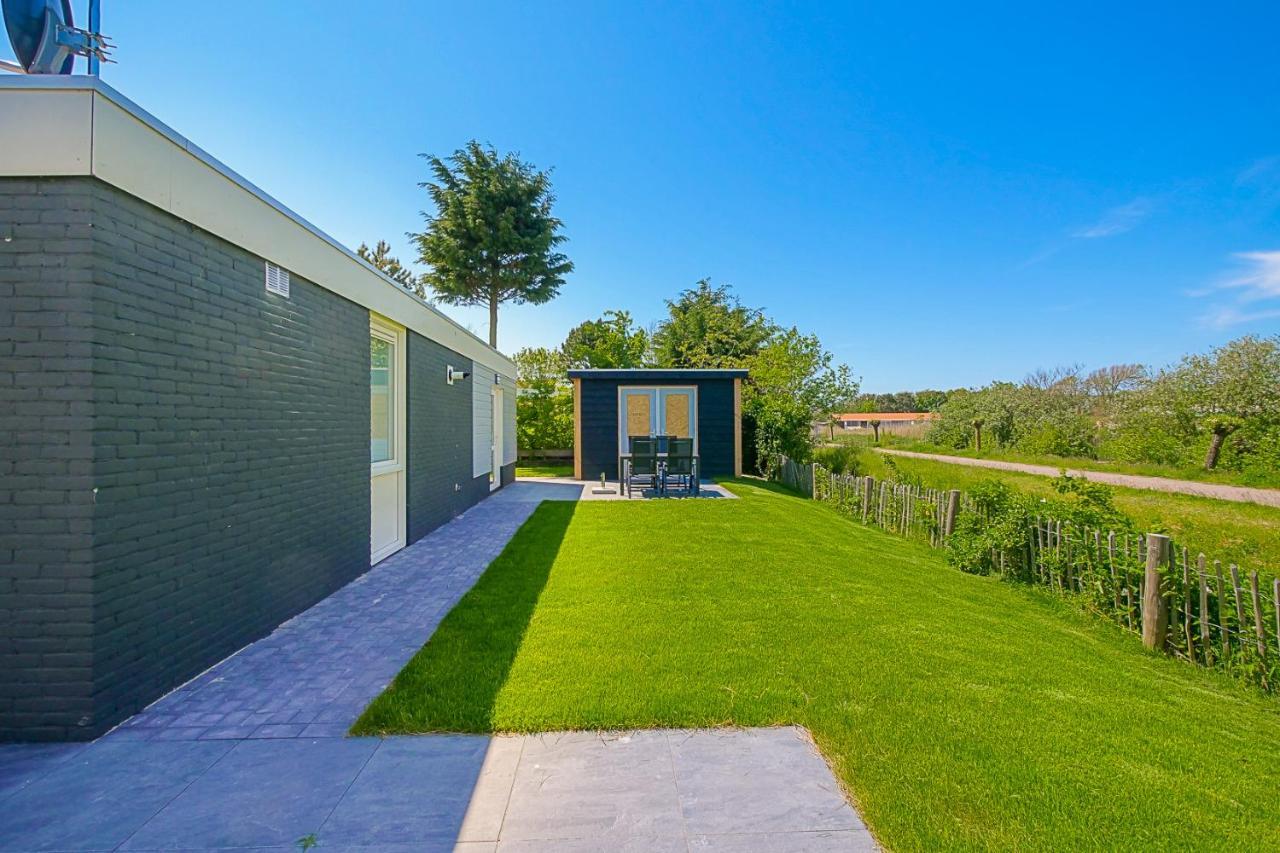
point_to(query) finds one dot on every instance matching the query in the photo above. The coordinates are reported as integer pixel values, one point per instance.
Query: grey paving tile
(842, 841)
(23, 763)
(414, 789)
(264, 792)
(592, 786)
(488, 806)
(325, 730)
(756, 780)
(641, 844)
(101, 795)
(228, 732)
(277, 730)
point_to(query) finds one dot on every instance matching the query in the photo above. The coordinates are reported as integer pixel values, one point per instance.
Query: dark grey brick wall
(600, 425)
(46, 485)
(439, 484)
(231, 450)
(224, 485)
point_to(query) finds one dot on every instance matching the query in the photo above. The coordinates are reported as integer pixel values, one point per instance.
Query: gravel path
(1241, 494)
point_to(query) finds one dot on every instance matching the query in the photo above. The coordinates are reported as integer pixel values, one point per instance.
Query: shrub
(1145, 439)
(998, 526)
(841, 459)
(1067, 436)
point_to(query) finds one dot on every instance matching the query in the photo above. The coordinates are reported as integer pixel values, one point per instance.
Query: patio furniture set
(658, 461)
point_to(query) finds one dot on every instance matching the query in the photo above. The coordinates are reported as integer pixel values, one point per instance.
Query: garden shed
(609, 406)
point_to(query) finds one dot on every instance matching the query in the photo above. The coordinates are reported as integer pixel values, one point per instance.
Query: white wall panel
(481, 419)
(508, 419)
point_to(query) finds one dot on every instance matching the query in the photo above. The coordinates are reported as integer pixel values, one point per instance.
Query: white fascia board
(73, 125)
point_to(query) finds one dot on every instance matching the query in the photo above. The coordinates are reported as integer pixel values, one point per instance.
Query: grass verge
(960, 712)
(1248, 534)
(1145, 469)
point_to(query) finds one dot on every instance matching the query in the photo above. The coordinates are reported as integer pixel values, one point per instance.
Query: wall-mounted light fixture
(452, 374)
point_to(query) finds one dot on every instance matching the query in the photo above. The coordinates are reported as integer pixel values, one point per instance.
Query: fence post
(1155, 602)
(953, 506)
(813, 480)
(868, 489)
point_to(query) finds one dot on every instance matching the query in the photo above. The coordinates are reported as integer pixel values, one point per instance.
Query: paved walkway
(252, 753)
(316, 673)
(1239, 494)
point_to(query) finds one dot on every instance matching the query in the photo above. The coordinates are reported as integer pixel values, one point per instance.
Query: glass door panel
(639, 414)
(677, 412)
(381, 437)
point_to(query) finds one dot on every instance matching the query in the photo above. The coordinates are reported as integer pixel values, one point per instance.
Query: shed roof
(658, 374)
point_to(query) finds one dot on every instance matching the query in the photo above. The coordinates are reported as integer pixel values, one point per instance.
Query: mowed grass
(1244, 533)
(532, 470)
(960, 712)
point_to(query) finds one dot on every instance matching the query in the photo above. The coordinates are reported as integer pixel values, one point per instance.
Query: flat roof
(659, 373)
(63, 125)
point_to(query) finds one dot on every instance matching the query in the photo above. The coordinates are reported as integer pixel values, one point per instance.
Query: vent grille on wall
(277, 279)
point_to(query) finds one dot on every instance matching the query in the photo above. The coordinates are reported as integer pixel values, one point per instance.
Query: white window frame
(657, 410)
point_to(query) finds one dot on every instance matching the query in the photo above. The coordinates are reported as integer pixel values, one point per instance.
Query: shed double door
(657, 411)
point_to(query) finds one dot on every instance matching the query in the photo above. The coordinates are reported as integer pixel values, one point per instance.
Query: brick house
(212, 415)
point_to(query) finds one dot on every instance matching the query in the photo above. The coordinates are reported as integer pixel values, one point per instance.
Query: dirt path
(1241, 494)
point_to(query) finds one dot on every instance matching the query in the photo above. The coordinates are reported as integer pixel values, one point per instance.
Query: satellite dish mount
(46, 40)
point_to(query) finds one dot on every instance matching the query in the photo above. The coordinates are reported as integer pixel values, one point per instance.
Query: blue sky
(946, 194)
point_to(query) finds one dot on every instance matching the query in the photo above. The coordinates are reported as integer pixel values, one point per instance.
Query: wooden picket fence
(1192, 606)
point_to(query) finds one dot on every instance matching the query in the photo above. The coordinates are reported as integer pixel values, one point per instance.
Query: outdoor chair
(681, 464)
(642, 465)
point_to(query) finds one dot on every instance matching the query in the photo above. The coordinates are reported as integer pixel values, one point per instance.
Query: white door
(386, 440)
(657, 411)
(495, 447)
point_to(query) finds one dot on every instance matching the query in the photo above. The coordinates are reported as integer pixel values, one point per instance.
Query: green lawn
(530, 470)
(1248, 534)
(961, 712)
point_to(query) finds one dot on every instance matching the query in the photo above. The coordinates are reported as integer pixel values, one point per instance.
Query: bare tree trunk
(977, 438)
(1215, 447)
(876, 429)
(493, 321)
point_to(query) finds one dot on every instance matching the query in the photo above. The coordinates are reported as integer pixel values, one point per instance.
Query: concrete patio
(589, 490)
(253, 753)
(743, 790)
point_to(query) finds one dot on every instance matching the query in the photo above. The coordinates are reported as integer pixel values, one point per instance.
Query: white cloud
(1262, 278)
(1117, 220)
(1257, 289)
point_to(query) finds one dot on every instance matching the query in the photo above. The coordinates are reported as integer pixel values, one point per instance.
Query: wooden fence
(796, 476)
(1189, 605)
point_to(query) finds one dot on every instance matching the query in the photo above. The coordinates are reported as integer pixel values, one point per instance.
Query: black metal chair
(643, 462)
(681, 464)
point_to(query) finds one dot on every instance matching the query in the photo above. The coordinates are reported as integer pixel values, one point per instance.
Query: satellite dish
(45, 39)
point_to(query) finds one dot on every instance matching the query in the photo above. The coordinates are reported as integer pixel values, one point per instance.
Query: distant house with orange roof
(894, 422)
